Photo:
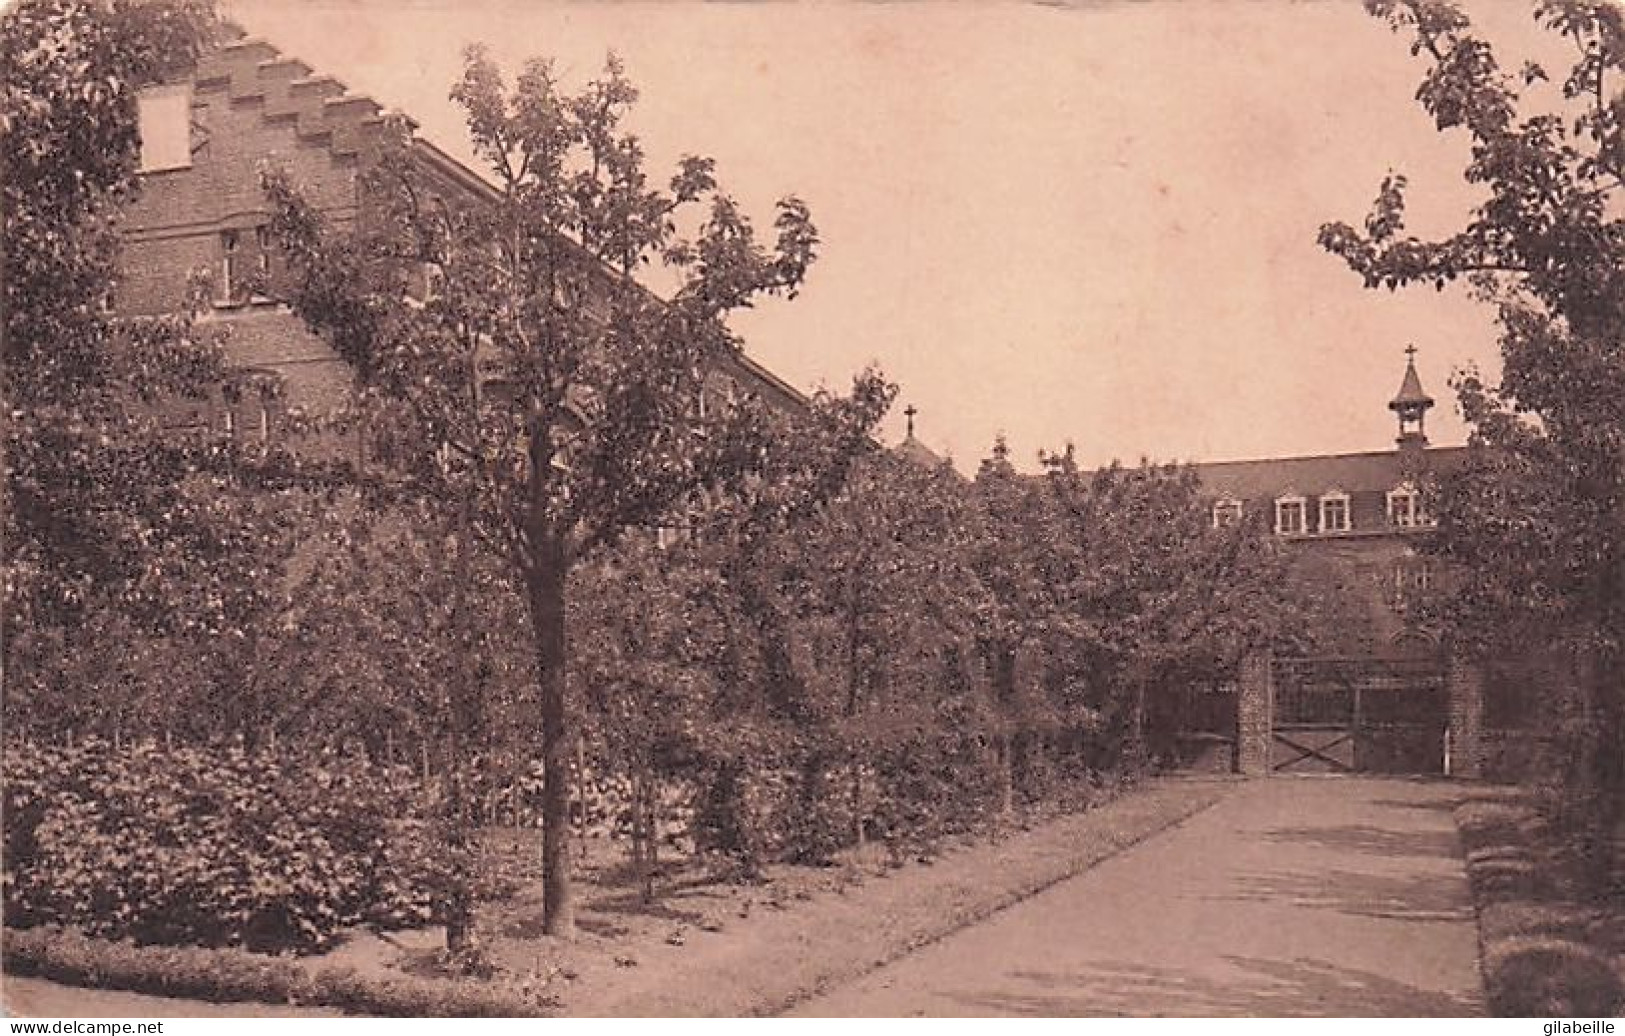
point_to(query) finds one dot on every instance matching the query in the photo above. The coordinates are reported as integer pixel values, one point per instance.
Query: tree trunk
(819, 831)
(1138, 741)
(545, 587)
(1004, 695)
(854, 685)
(644, 835)
(1612, 671)
(1004, 756)
(464, 724)
(640, 863)
(652, 827)
(581, 818)
(857, 805)
(459, 905)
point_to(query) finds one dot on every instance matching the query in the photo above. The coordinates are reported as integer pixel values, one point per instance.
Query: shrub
(1491, 824)
(214, 846)
(1536, 960)
(1537, 976)
(1499, 921)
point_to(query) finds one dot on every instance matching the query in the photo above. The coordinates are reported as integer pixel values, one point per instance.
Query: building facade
(202, 211)
(1360, 680)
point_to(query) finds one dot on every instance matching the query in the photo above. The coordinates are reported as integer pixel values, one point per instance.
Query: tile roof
(1313, 476)
(914, 450)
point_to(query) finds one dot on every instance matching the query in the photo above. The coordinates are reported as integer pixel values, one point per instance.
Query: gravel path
(1292, 897)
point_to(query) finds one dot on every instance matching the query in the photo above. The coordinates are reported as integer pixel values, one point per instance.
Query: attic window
(1334, 512)
(164, 115)
(1405, 508)
(1290, 516)
(1226, 512)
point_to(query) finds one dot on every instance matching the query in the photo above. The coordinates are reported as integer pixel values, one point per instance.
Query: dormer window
(1334, 512)
(1405, 508)
(1290, 516)
(1226, 512)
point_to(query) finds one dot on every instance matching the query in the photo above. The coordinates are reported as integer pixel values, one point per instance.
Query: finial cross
(909, 412)
(1410, 352)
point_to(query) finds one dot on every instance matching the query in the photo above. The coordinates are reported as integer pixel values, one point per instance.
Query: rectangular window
(1334, 514)
(264, 247)
(164, 120)
(230, 267)
(1226, 513)
(1289, 517)
(1402, 508)
(425, 283)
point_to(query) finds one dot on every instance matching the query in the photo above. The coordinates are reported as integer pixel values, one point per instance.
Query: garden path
(1291, 897)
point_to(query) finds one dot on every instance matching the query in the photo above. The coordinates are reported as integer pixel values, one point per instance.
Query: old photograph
(583, 510)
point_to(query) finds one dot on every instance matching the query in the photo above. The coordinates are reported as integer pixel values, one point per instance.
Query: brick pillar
(1464, 684)
(1254, 706)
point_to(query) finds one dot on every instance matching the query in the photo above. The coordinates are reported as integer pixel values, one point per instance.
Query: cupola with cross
(1411, 405)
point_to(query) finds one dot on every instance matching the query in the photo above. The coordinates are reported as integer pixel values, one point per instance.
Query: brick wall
(249, 107)
(1464, 685)
(1253, 707)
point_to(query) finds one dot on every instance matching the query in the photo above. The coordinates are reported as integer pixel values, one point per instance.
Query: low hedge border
(70, 957)
(1533, 943)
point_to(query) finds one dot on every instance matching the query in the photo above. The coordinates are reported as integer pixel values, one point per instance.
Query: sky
(1090, 224)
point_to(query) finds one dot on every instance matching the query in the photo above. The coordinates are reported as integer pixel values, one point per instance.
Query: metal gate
(1358, 715)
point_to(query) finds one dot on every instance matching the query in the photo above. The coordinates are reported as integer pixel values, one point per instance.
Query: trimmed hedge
(216, 847)
(219, 975)
(1535, 956)
(1532, 976)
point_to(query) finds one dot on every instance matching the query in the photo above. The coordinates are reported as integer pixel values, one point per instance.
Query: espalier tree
(885, 607)
(1538, 518)
(540, 390)
(1149, 594)
(1013, 557)
(751, 538)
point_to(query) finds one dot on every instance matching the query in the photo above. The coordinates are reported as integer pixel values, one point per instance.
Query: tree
(1012, 556)
(116, 523)
(884, 613)
(751, 539)
(646, 665)
(1538, 518)
(1149, 594)
(542, 386)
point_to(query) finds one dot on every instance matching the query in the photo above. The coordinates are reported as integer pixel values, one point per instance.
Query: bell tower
(1411, 406)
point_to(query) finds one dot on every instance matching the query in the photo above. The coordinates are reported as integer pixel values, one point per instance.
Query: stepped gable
(320, 106)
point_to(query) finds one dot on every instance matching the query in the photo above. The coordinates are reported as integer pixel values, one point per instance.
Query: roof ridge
(1319, 456)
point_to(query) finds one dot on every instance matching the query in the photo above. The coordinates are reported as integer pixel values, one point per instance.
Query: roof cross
(909, 412)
